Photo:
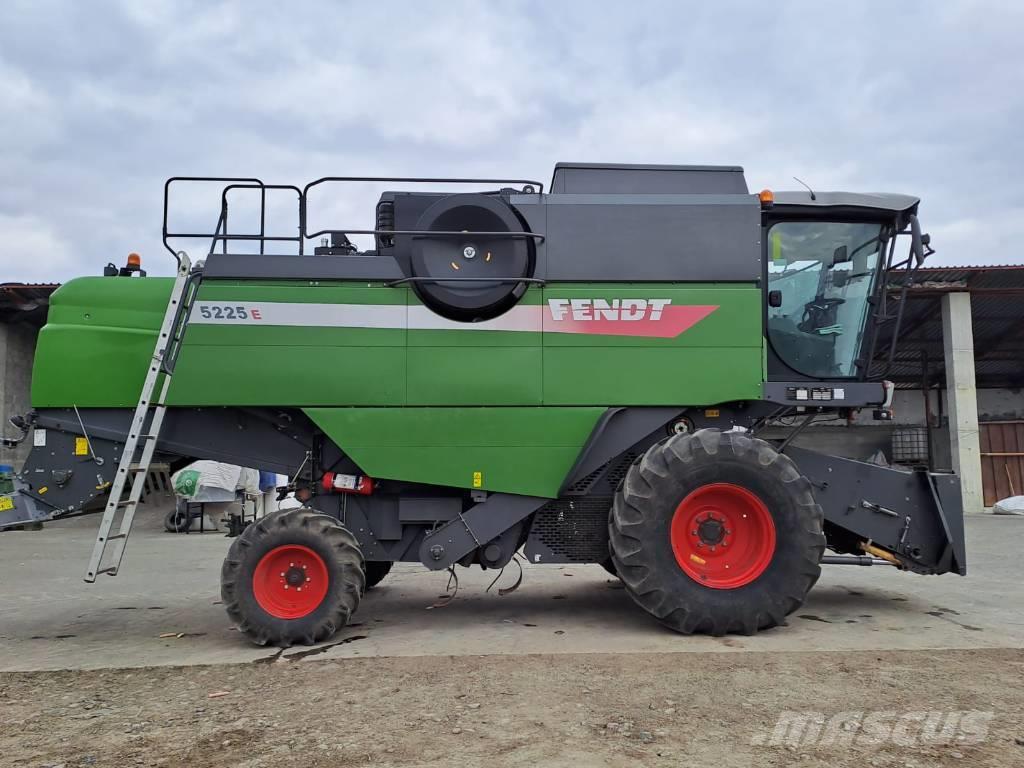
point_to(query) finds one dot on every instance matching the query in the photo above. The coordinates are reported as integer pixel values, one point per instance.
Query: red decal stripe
(674, 320)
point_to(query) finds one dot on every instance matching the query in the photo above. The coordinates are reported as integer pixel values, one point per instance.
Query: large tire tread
(338, 547)
(656, 482)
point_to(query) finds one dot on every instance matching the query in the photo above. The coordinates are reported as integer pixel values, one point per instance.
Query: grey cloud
(99, 102)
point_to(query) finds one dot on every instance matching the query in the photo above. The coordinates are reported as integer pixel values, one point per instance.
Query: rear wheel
(716, 532)
(295, 576)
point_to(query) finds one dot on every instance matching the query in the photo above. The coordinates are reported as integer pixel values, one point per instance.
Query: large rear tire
(296, 576)
(716, 532)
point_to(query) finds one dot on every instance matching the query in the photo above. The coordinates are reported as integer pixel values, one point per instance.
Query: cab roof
(901, 206)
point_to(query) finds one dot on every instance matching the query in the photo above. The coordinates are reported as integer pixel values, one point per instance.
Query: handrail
(222, 235)
(263, 209)
(253, 182)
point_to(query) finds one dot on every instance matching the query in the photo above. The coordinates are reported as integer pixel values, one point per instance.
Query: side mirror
(917, 241)
(774, 298)
(839, 255)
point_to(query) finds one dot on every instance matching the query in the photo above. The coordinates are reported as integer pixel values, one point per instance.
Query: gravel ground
(535, 710)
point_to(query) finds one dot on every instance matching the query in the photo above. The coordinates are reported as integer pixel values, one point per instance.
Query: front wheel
(716, 532)
(296, 576)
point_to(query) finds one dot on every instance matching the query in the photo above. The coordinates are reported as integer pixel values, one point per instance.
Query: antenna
(813, 197)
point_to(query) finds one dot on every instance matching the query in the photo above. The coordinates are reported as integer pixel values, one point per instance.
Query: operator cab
(825, 255)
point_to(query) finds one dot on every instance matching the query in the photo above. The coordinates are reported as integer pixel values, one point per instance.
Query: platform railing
(222, 235)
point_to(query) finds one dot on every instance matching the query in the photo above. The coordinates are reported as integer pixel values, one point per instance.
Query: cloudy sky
(101, 101)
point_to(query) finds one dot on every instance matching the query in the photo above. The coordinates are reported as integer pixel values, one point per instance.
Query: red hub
(723, 536)
(290, 581)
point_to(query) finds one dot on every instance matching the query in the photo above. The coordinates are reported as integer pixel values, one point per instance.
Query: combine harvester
(583, 374)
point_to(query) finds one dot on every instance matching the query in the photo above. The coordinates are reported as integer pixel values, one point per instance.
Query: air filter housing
(472, 268)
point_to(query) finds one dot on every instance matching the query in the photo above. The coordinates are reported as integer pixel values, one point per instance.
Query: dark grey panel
(534, 211)
(640, 238)
(912, 513)
(855, 393)
(275, 441)
(256, 267)
(474, 528)
(617, 430)
(611, 178)
(431, 509)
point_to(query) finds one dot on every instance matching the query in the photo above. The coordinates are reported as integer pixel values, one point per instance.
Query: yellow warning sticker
(699, 560)
(478, 479)
(43, 490)
(711, 413)
(6, 502)
(81, 446)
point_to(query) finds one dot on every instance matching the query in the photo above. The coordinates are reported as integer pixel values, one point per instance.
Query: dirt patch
(582, 710)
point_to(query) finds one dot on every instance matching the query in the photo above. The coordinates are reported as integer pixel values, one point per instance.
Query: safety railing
(221, 235)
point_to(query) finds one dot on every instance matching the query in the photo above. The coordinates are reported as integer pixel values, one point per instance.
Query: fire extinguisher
(337, 482)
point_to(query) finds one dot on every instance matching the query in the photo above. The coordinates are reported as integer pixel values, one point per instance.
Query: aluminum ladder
(144, 430)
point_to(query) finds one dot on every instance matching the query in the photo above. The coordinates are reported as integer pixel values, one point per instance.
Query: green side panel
(514, 450)
(299, 375)
(502, 375)
(718, 359)
(98, 340)
(643, 376)
(292, 365)
(475, 367)
(101, 332)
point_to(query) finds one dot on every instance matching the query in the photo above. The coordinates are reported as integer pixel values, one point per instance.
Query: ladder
(144, 430)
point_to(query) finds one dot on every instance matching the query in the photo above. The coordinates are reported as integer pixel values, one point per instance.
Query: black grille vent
(575, 529)
(612, 472)
(620, 467)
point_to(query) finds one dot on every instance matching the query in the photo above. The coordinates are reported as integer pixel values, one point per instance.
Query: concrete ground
(50, 619)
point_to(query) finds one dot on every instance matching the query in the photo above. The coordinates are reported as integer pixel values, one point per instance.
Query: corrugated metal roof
(993, 277)
(997, 317)
(25, 301)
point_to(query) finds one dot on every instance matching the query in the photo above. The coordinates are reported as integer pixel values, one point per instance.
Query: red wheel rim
(290, 581)
(723, 536)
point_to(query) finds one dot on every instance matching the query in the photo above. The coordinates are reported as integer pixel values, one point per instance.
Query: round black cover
(496, 260)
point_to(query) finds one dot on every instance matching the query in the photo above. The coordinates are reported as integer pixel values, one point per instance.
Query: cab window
(826, 272)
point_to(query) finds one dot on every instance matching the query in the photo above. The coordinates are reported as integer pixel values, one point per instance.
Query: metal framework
(223, 236)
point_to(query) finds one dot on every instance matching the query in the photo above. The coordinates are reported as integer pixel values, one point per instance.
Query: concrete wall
(17, 350)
